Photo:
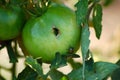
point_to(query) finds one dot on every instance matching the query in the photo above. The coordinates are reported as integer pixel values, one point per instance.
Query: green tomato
(55, 31)
(11, 22)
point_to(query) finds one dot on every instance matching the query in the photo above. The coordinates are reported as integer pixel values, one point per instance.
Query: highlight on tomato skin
(12, 19)
(55, 31)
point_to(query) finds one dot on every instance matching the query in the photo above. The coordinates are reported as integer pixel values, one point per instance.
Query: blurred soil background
(107, 48)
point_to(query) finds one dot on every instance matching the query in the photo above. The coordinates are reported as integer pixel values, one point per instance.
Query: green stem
(90, 10)
(84, 56)
(83, 71)
(13, 70)
(11, 53)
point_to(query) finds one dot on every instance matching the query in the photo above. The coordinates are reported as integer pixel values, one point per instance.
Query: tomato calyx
(36, 7)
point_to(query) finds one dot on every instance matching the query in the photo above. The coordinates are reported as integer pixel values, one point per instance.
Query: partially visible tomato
(11, 22)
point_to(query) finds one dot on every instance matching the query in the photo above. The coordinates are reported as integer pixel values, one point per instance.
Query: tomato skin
(55, 31)
(12, 19)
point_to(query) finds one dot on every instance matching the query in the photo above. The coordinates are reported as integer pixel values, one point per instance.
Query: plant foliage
(88, 70)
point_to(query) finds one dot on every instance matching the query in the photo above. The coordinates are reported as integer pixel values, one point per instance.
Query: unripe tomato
(55, 31)
(11, 22)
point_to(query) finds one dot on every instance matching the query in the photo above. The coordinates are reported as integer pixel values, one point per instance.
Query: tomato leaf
(55, 74)
(85, 40)
(59, 61)
(101, 70)
(72, 55)
(73, 64)
(81, 12)
(75, 74)
(89, 64)
(97, 20)
(116, 74)
(34, 65)
(107, 2)
(27, 74)
(85, 45)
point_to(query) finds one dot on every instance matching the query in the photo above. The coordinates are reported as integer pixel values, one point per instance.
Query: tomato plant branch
(90, 10)
(13, 71)
(83, 71)
(11, 52)
(16, 50)
(86, 33)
